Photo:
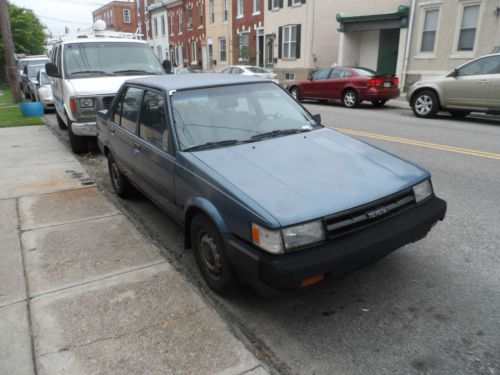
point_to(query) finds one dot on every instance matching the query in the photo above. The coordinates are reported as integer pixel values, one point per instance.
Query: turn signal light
(72, 104)
(312, 280)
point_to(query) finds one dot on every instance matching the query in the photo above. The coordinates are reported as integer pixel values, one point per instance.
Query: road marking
(435, 146)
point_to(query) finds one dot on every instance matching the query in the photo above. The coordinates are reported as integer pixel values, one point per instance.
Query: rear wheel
(211, 257)
(121, 186)
(379, 102)
(459, 114)
(60, 122)
(350, 98)
(296, 93)
(78, 143)
(425, 104)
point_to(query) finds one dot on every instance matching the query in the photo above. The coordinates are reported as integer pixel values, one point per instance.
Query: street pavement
(82, 291)
(432, 307)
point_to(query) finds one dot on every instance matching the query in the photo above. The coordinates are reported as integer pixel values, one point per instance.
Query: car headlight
(266, 239)
(422, 191)
(87, 102)
(304, 234)
(44, 93)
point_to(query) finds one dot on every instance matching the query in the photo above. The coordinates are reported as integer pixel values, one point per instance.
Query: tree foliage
(27, 32)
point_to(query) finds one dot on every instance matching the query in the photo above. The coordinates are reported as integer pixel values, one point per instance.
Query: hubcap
(210, 256)
(423, 104)
(114, 176)
(349, 99)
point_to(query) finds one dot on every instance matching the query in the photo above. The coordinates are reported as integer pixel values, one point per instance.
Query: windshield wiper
(138, 71)
(276, 133)
(208, 145)
(92, 72)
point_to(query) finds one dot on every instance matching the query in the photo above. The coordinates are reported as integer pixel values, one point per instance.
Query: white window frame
(190, 18)
(466, 54)
(291, 76)
(163, 25)
(201, 14)
(290, 41)
(225, 12)
(296, 3)
(155, 26)
(275, 4)
(181, 23)
(126, 15)
(194, 52)
(171, 26)
(239, 8)
(211, 11)
(256, 7)
(221, 61)
(424, 8)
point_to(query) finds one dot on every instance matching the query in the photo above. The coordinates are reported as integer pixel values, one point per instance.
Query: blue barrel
(31, 109)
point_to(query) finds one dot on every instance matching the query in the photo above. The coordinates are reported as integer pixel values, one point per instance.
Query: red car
(350, 85)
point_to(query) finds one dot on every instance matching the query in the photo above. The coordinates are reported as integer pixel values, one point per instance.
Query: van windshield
(97, 59)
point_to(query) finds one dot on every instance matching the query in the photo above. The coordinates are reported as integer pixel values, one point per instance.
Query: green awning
(368, 22)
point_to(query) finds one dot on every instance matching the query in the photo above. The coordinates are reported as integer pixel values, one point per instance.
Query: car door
(336, 81)
(123, 129)
(494, 93)
(470, 87)
(314, 87)
(154, 163)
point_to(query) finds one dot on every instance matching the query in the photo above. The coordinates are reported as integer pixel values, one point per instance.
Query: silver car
(472, 87)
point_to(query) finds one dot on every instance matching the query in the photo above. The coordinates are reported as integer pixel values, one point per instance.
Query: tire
(60, 122)
(78, 143)
(211, 257)
(379, 102)
(296, 93)
(459, 113)
(425, 104)
(350, 98)
(121, 185)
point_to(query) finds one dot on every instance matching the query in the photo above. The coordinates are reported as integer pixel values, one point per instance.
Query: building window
(155, 26)
(212, 12)
(429, 31)
(126, 15)
(190, 18)
(180, 22)
(222, 50)
(200, 13)
(239, 9)
(468, 28)
(296, 2)
(171, 23)
(194, 52)
(276, 4)
(159, 53)
(289, 46)
(256, 6)
(224, 11)
(243, 44)
(289, 76)
(162, 25)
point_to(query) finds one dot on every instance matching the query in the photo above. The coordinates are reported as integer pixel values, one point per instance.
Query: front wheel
(350, 99)
(211, 256)
(78, 143)
(60, 122)
(425, 104)
(296, 93)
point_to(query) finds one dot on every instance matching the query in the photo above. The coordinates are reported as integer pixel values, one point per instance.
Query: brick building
(248, 32)
(143, 18)
(118, 15)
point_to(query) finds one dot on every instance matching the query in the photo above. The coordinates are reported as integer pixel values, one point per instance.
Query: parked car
(249, 70)
(29, 60)
(29, 80)
(87, 71)
(266, 194)
(43, 91)
(472, 87)
(349, 85)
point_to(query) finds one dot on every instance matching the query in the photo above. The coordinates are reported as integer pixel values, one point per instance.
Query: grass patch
(10, 114)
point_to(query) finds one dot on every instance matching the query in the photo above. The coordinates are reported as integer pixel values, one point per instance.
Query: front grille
(106, 101)
(360, 217)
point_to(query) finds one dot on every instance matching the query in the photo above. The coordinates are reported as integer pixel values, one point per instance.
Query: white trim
(456, 54)
(423, 9)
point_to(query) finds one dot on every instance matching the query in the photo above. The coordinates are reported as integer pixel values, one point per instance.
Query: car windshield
(256, 69)
(84, 60)
(365, 72)
(222, 116)
(33, 70)
(23, 63)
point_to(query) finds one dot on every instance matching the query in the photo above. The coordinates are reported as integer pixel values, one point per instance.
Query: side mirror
(317, 118)
(454, 73)
(52, 71)
(310, 77)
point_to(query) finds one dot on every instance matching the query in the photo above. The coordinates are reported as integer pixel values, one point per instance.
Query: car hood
(98, 85)
(306, 176)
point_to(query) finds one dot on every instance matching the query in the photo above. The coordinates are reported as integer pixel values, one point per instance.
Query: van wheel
(78, 143)
(459, 114)
(121, 186)
(350, 98)
(60, 122)
(211, 257)
(425, 104)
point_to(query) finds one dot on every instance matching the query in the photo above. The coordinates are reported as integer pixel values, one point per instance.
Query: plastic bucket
(31, 109)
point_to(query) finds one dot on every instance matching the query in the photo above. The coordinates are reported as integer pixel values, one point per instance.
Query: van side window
(153, 123)
(130, 106)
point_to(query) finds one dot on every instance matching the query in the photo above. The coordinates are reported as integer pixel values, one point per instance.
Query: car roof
(194, 81)
(100, 40)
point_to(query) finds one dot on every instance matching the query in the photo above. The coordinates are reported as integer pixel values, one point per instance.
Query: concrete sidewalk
(81, 290)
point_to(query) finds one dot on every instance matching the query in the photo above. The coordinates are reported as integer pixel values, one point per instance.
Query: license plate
(387, 84)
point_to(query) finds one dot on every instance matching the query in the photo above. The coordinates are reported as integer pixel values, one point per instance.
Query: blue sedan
(266, 194)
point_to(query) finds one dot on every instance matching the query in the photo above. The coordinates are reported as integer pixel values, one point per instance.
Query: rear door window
(321, 74)
(129, 107)
(153, 125)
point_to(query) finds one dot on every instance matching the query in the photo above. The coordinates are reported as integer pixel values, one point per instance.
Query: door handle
(137, 149)
(483, 81)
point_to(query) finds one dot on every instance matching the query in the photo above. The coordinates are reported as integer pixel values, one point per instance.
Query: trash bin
(31, 109)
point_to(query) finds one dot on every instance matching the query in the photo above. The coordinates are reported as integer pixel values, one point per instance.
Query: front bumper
(84, 128)
(269, 273)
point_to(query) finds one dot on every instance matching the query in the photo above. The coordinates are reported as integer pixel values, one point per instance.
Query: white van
(86, 73)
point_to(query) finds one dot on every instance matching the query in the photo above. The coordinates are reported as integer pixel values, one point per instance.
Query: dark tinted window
(487, 65)
(153, 124)
(130, 106)
(321, 74)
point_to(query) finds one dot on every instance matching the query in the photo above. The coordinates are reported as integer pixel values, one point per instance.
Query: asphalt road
(432, 307)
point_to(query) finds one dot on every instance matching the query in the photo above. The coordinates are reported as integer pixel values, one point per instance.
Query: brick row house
(118, 15)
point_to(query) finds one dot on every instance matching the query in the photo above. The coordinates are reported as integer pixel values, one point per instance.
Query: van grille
(360, 217)
(106, 101)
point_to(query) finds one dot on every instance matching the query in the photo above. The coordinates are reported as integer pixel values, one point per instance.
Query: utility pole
(10, 61)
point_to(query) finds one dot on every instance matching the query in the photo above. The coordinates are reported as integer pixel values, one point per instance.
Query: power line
(63, 20)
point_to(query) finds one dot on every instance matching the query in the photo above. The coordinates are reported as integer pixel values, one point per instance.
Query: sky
(57, 14)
